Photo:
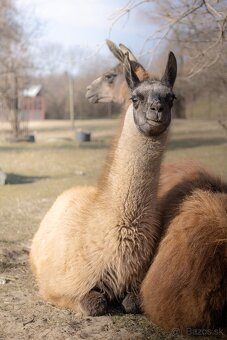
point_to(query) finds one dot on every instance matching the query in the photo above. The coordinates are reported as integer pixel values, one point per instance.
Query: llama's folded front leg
(94, 303)
(131, 303)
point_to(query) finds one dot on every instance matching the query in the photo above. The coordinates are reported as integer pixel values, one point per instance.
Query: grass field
(37, 173)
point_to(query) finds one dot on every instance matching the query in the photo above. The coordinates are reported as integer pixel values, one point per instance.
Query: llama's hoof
(94, 304)
(131, 303)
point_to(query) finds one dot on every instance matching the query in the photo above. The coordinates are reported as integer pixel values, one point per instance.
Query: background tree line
(195, 30)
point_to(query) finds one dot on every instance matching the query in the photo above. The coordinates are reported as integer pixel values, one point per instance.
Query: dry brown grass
(37, 174)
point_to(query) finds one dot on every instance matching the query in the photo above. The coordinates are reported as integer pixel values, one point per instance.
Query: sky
(86, 23)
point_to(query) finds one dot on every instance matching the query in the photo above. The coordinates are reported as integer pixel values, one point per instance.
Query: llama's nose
(155, 111)
(156, 106)
(88, 88)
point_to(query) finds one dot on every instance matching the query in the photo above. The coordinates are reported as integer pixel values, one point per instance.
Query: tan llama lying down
(176, 182)
(186, 285)
(95, 244)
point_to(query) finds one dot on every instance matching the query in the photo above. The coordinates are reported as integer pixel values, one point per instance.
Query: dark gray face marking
(152, 103)
(152, 99)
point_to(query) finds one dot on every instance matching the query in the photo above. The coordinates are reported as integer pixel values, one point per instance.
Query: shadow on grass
(187, 143)
(175, 144)
(52, 146)
(20, 179)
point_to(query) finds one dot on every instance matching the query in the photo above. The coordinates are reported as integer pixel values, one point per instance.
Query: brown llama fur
(95, 244)
(177, 182)
(186, 285)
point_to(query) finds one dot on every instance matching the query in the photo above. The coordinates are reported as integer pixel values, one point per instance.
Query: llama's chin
(92, 98)
(158, 127)
(151, 128)
(105, 100)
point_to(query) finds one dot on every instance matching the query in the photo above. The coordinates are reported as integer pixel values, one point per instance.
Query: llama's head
(152, 99)
(111, 86)
(108, 87)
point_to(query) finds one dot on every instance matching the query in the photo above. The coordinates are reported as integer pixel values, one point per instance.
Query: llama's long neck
(120, 94)
(132, 181)
(124, 94)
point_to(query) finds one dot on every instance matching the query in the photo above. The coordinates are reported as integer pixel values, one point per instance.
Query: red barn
(32, 103)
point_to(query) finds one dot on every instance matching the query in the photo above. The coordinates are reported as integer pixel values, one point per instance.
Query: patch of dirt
(23, 315)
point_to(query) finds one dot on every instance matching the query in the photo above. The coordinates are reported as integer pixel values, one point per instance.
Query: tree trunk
(15, 108)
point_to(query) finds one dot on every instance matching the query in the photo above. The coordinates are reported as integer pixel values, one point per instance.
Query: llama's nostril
(159, 116)
(160, 109)
(88, 88)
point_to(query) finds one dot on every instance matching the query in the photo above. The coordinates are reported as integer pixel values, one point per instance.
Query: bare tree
(196, 31)
(15, 64)
(56, 86)
(197, 27)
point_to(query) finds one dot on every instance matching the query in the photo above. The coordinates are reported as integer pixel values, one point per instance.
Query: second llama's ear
(115, 50)
(120, 53)
(139, 70)
(170, 74)
(136, 66)
(125, 50)
(130, 75)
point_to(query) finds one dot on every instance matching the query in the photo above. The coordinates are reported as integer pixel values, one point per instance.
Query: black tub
(83, 136)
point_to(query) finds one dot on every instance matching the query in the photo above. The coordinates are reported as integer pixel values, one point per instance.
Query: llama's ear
(136, 66)
(130, 54)
(115, 50)
(139, 70)
(170, 74)
(130, 75)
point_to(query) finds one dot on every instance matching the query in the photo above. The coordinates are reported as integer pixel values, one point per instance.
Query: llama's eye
(134, 99)
(171, 98)
(109, 78)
